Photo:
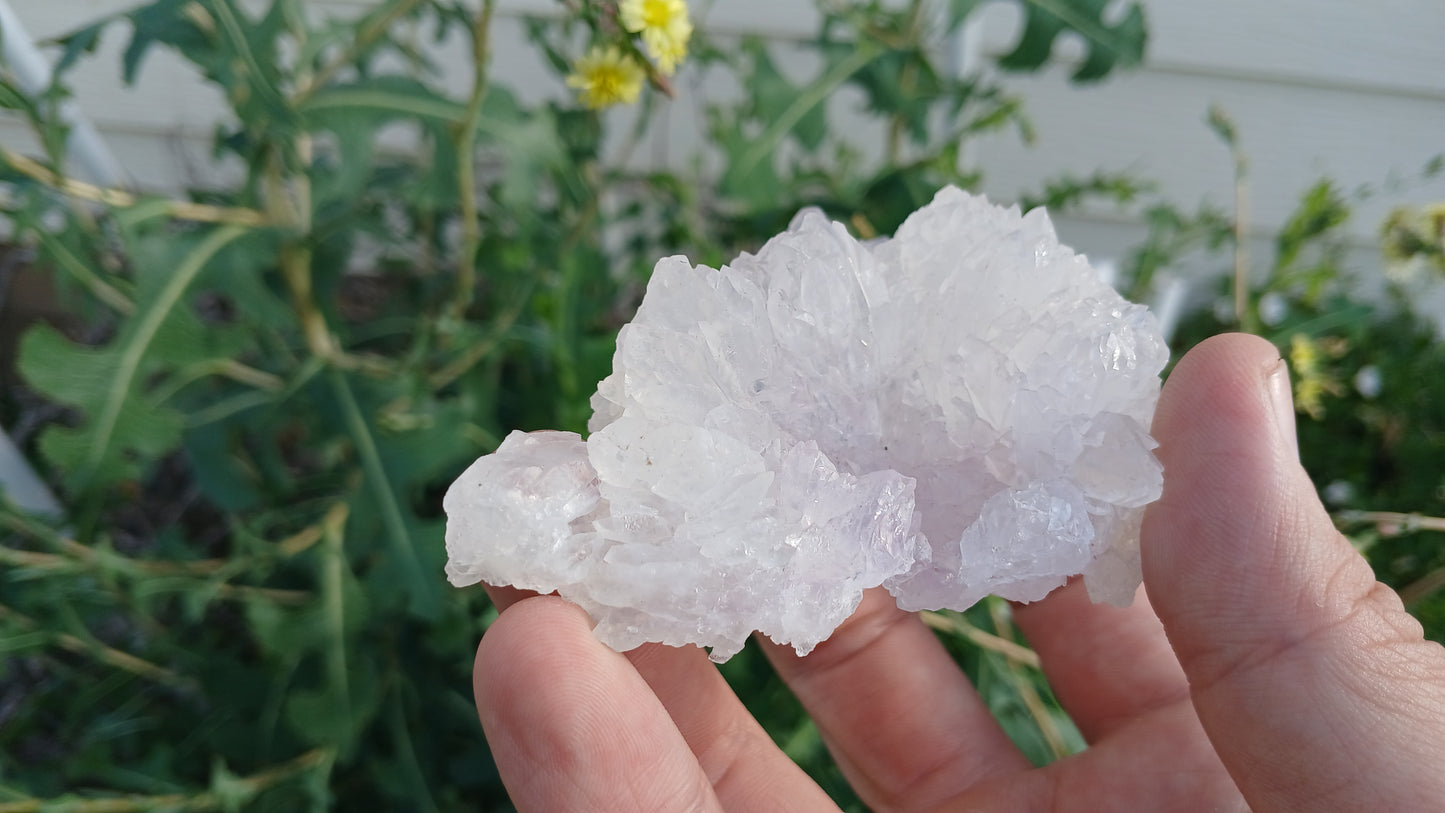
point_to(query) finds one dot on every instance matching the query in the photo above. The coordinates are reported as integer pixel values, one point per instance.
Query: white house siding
(1352, 91)
(1317, 87)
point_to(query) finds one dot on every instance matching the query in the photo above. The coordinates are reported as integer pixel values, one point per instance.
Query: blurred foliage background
(259, 392)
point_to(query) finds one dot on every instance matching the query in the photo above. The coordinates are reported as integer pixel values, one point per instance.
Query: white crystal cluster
(956, 411)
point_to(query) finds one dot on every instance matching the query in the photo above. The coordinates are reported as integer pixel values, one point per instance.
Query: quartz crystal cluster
(956, 411)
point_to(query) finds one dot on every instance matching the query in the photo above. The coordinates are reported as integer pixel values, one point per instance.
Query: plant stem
(466, 167)
(235, 30)
(406, 751)
(1415, 592)
(295, 256)
(85, 275)
(906, 82)
(104, 557)
(1242, 310)
(236, 592)
(958, 625)
(334, 598)
(23, 524)
(100, 652)
(458, 366)
(227, 368)
(369, 34)
(1391, 523)
(119, 198)
(320, 758)
(1025, 688)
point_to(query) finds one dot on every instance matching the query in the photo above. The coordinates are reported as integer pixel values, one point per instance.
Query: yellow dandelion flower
(664, 26)
(1304, 356)
(668, 48)
(638, 15)
(1311, 381)
(605, 76)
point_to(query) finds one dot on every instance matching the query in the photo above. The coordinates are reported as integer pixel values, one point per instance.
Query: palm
(902, 720)
(1317, 689)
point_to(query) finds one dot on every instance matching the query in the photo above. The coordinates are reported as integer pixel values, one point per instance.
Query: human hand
(1272, 671)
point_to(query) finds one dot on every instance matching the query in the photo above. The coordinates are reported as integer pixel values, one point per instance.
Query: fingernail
(1283, 400)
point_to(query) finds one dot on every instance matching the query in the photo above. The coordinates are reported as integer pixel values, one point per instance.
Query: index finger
(905, 725)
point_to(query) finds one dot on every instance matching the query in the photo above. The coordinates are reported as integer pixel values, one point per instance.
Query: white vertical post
(93, 161)
(33, 72)
(22, 486)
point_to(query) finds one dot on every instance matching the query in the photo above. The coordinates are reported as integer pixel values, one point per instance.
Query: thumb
(1315, 686)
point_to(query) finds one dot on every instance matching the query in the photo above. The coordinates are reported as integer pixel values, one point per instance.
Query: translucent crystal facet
(956, 411)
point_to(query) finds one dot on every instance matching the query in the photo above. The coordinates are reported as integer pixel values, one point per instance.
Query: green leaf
(354, 113)
(12, 98)
(121, 427)
(390, 95)
(230, 791)
(283, 633)
(161, 22)
(319, 717)
(14, 643)
(422, 588)
(231, 49)
(1120, 45)
(1322, 209)
(327, 718)
(217, 471)
(1222, 124)
(78, 43)
(749, 173)
(958, 11)
(536, 145)
(771, 94)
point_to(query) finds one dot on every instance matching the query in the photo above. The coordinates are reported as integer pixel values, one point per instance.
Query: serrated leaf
(121, 427)
(161, 22)
(78, 43)
(11, 98)
(231, 49)
(118, 432)
(1107, 46)
(354, 113)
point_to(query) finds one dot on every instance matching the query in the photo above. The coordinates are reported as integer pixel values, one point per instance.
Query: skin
(1261, 667)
